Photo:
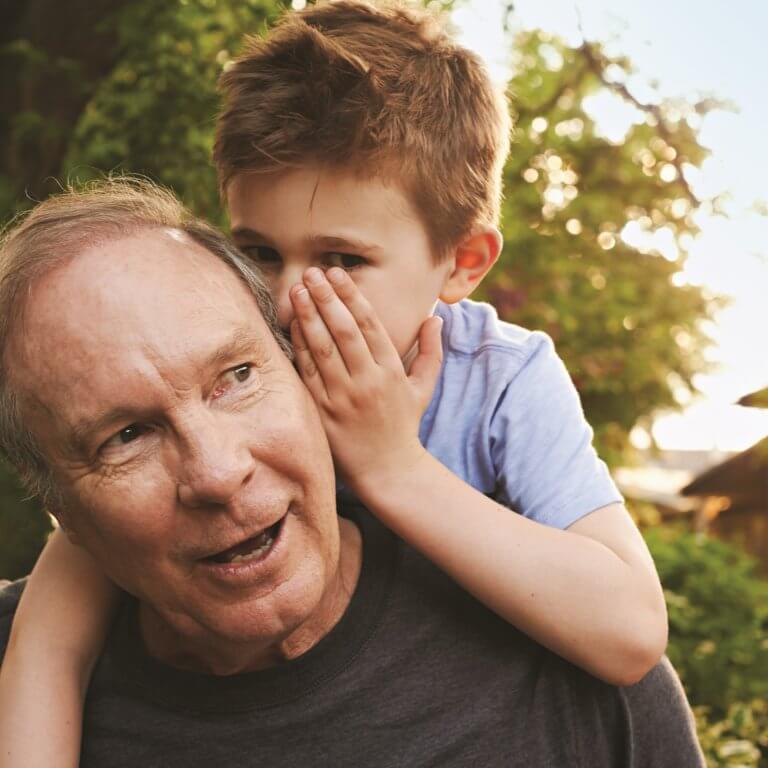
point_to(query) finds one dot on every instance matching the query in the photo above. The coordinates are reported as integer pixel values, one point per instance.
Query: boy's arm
(590, 593)
(57, 634)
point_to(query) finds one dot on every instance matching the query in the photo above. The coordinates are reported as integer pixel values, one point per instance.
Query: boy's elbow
(643, 651)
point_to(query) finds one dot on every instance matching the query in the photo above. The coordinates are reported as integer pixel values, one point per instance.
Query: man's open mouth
(251, 549)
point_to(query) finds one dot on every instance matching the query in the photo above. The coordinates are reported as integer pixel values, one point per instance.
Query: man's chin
(235, 633)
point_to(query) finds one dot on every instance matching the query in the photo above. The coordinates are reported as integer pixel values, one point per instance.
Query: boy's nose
(284, 306)
(280, 285)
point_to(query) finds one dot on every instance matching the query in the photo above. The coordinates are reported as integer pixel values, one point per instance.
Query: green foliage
(626, 330)
(718, 618)
(718, 641)
(24, 527)
(154, 114)
(739, 740)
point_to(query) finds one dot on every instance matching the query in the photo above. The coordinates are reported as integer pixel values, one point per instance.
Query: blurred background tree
(595, 231)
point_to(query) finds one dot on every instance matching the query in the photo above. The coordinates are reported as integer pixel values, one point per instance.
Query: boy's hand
(370, 406)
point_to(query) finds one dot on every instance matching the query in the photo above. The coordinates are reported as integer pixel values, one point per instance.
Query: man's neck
(206, 652)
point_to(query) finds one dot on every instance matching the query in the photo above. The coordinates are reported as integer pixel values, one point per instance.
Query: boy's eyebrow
(325, 242)
(331, 242)
(246, 233)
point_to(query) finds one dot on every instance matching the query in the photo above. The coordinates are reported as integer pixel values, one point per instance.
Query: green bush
(718, 618)
(24, 527)
(718, 642)
(739, 739)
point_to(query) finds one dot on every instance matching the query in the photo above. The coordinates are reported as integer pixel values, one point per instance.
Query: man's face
(290, 221)
(192, 462)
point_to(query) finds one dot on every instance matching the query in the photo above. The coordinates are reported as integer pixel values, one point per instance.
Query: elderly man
(145, 393)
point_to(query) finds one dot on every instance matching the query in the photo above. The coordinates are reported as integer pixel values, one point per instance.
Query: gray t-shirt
(416, 673)
(506, 418)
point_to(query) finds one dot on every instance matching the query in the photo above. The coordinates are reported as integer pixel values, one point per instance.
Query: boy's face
(290, 221)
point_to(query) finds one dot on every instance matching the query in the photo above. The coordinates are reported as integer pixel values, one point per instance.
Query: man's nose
(216, 463)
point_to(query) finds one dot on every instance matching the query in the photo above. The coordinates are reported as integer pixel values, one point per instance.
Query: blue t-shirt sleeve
(541, 444)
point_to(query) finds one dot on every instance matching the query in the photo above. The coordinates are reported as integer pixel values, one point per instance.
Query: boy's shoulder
(472, 329)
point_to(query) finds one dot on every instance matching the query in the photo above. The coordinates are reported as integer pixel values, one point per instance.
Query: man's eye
(242, 372)
(346, 261)
(126, 435)
(262, 254)
(130, 433)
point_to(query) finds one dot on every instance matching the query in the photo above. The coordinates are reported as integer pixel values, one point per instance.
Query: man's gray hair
(55, 231)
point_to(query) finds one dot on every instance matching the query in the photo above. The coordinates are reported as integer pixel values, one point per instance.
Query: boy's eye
(346, 261)
(262, 254)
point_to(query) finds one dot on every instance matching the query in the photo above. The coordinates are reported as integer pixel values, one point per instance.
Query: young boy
(360, 153)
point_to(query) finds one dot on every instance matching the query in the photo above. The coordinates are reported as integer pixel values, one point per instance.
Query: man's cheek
(126, 520)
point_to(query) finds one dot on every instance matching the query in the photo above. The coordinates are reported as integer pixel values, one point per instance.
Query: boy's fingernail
(301, 294)
(314, 276)
(336, 275)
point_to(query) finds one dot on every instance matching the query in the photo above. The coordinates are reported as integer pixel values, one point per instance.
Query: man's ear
(472, 258)
(62, 518)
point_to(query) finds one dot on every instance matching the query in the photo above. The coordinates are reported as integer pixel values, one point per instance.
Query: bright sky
(691, 48)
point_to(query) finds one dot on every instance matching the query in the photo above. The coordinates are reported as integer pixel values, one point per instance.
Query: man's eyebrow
(243, 346)
(243, 343)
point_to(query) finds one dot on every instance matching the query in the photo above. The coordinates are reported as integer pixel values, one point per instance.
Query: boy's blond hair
(381, 92)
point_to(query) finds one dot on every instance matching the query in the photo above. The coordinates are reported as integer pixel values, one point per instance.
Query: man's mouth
(251, 549)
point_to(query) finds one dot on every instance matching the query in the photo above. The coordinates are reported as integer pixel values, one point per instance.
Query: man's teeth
(251, 549)
(255, 553)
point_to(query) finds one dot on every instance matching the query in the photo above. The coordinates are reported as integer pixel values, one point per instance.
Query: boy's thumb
(425, 367)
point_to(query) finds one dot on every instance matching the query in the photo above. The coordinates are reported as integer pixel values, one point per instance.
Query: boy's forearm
(67, 604)
(569, 592)
(57, 633)
(40, 711)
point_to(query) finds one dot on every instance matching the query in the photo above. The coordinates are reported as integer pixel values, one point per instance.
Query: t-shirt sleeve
(541, 444)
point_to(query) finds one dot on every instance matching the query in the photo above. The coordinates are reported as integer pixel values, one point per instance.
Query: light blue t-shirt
(506, 418)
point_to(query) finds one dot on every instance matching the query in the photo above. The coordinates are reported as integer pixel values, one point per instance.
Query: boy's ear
(472, 259)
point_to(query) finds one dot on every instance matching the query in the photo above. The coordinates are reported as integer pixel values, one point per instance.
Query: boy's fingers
(339, 321)
(306, 365)
(369, 323)
(426, 366)
(318, 340)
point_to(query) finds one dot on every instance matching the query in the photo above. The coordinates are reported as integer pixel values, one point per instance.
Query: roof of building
(743, 476)
(757, 399)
